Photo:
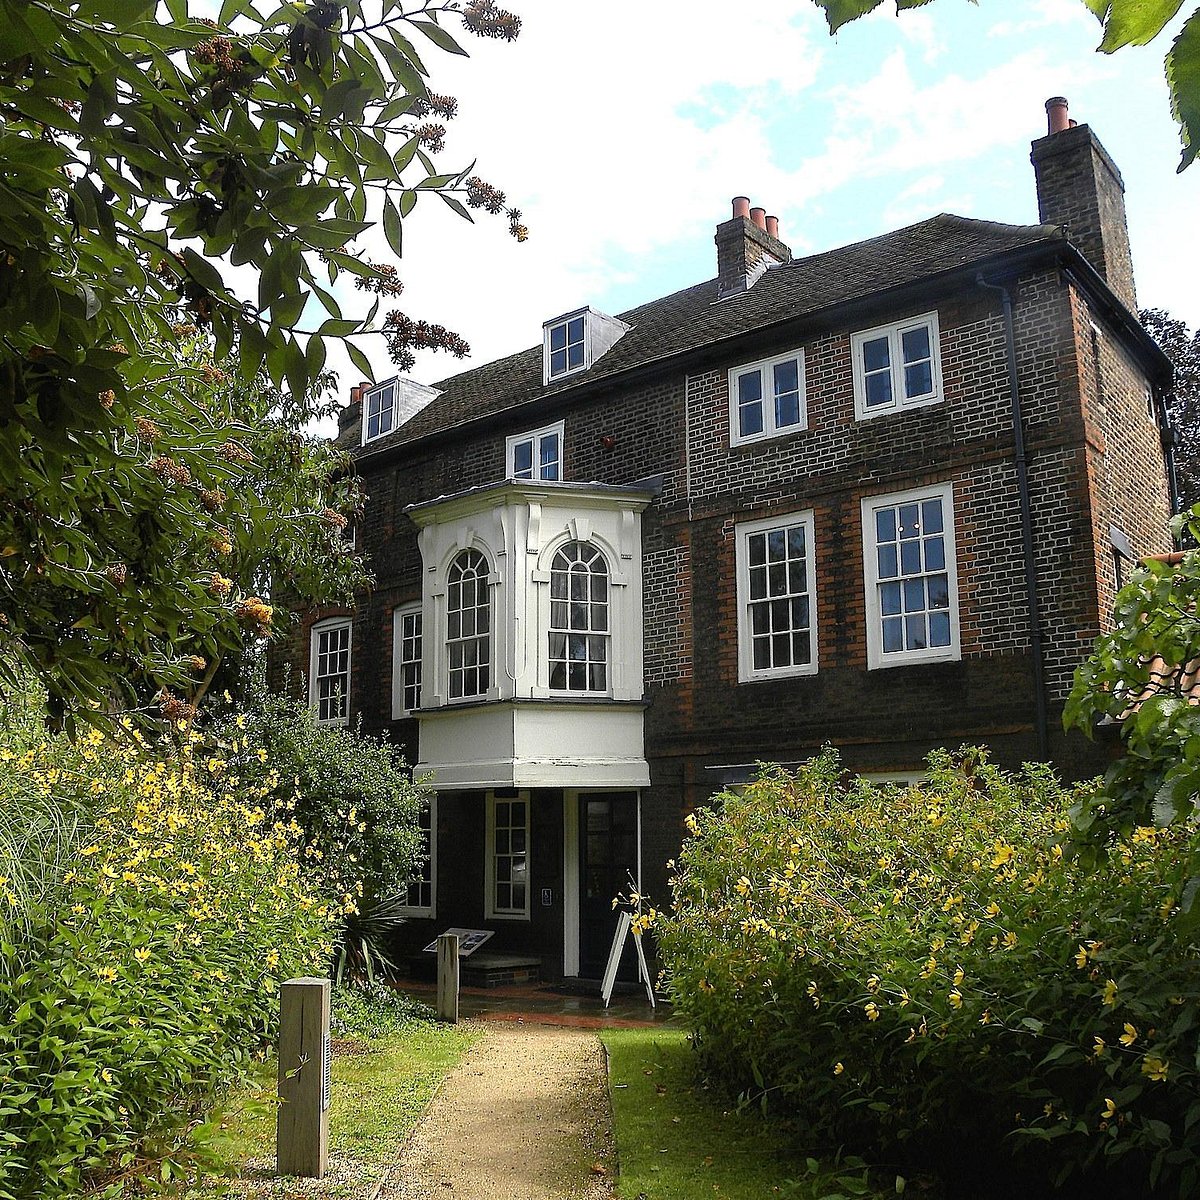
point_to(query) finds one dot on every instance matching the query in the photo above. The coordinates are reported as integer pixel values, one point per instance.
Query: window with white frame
(910, 577)
(406, 660)
(507, 864)
(777, 633)
(536, 455)
(579, 625)
(566, 346)
(468, 626)
(329, 671)
(419, 895)
(766, 398)
(379, 411)
(896, 366)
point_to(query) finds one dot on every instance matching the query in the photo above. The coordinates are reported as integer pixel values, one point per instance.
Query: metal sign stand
(624, 924)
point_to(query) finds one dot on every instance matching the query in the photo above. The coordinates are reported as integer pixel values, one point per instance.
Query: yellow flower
(107, 973)
(1109, 1109)
(1010, 940)
(928, 969)
(1099, 1047)
(838, 1068)
(1155, 1067)
(873, 984)
(958, 976)
(993, 909)
(955, 998)
(142, 955)
(1081, 957)
(1109, 998)
(1129, 1036)
(986, 1018)
(872, 1010)
(1004, 852)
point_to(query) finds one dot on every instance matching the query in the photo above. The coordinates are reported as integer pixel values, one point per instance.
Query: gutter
(1021, 462)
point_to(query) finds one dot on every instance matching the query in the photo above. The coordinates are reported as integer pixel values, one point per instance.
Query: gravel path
(524, 1117)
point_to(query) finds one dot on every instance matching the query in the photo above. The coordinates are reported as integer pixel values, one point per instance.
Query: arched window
(468, 625)
(579, 620)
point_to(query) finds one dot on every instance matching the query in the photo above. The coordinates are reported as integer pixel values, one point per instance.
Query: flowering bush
(923, 974)
(153, 976)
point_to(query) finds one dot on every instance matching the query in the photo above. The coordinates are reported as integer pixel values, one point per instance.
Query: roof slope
(691, 319)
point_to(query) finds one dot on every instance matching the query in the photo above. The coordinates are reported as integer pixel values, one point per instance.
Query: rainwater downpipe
(1037, 650)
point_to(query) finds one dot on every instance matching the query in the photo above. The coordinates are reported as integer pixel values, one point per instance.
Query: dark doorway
(607, 857)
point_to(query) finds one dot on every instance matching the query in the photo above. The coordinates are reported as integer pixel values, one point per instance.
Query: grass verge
(675, 1142)
(381, 1087)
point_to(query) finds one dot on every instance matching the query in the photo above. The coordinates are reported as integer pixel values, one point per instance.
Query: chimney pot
(773, 227)
(741, 206)
(364, 387)
(759, 217)
(355, 395)
(1056, 114)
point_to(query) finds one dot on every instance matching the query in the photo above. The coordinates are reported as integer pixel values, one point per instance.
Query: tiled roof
(691, 319)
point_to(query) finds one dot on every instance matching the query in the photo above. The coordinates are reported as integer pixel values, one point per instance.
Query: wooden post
(447, 983)
(302, 1123)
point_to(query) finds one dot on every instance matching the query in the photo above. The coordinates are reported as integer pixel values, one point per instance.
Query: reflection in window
(468, 625)
(331, 673)
(579, 627)
(778, 602)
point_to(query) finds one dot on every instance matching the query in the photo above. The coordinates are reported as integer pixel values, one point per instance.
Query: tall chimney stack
(1080, 188)
(747, 245)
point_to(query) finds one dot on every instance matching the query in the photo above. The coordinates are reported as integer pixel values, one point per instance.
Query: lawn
(677, 1142)
(381, 1087)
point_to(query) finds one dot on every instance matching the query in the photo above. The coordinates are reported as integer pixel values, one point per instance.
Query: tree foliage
(155, 165)
(1182, 347)
(1125, 23)
(1142, 675)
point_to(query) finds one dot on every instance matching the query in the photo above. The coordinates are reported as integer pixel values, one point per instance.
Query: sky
(623, 130)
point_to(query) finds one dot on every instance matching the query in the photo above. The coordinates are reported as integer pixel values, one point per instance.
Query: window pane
(909, 520)
(893, 635)
(939, 591)
(931, 516)
(879, 390)
(939, 629)
(885, 525)
(558, 337)
(915, 343)
(876, 356)
(575, 354)
(750, 420)
(889, 599)
(914, 595)
(776, 621)
(910, 557)
(787, 377)
(935, 554)
(757, 548)
(888, 564)
(558, 362)
(523, 460)
(918, 380)
(575, 329)
(787, 410)
(914, 633)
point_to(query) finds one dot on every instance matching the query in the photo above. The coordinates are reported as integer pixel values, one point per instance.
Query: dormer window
(379, 411)
(576, 340)
(566, 347)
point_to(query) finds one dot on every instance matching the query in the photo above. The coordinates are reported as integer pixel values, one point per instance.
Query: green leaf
(1183, 79)
(458, 206)
(439, 37)
(360, 360)
(1136, 22)
(391, 227)
(841, 12)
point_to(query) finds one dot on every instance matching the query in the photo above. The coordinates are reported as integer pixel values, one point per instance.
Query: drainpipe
(1022, 467)
(1167, 439)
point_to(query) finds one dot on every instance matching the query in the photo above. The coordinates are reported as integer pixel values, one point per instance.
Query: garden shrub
(151, 979)
(374, 1010)
(922, 975)
(351, 793)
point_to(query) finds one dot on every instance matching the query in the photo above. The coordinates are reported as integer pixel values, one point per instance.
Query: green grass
(381, 1087)
(676, 1142)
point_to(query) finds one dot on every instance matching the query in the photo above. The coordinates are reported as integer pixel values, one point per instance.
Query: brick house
(880, 496)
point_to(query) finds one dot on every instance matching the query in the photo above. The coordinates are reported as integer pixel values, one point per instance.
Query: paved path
(524, 1117)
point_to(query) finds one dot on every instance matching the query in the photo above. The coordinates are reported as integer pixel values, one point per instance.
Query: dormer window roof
(573, 342)
(389, 404)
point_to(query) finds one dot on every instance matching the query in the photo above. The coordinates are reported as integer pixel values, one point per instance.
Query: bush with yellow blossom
(147, 977)
(923, 975)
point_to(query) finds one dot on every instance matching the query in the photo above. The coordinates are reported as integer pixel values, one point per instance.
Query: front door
(607, 859)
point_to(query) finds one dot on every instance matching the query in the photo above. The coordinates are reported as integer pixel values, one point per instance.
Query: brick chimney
(353, 411)
(1080, 188)
(747, 245)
